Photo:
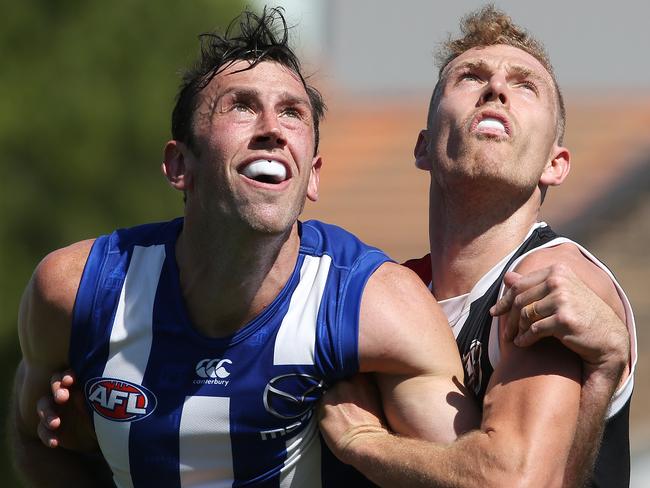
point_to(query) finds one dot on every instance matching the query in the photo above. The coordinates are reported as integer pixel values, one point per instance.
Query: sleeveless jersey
(476, 333)
(172, 408)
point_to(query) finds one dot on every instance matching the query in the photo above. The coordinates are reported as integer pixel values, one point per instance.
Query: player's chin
(273, 221)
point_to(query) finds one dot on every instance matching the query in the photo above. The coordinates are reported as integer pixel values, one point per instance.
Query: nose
(496, 90)
(269, 131)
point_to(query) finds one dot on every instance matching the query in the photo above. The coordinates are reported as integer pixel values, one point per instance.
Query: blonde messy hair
(488, 26)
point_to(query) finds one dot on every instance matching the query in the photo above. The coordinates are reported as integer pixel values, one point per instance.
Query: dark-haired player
(202, 345)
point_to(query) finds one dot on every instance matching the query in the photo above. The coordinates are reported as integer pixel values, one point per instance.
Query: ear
(173, 165)
(557, 169)
(421, 151)
(314, 178)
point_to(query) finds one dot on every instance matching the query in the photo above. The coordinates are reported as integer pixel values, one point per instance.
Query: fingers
(349, 390)
(47, 413)
(49, 419)
(522, 313)
(517, 284)
(530, 313)
(68, 378)
(49, 422)
(47, 436)
(60, 384)
(505, 302)
(347, 413)
(533, 320)
(354, 393)
(536, 331)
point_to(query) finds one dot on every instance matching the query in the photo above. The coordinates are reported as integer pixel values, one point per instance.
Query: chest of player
(173, 408)
(200, 410)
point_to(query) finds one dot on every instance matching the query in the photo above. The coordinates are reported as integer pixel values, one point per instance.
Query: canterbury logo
(213, 368)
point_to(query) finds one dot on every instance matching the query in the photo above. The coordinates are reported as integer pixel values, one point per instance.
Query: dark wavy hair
(258, 38)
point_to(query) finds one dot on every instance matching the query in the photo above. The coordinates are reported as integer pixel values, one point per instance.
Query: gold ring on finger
(531, 313)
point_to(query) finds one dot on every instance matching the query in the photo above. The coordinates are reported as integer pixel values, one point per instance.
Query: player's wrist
(615, 358)
(603, 377)
(361, 444)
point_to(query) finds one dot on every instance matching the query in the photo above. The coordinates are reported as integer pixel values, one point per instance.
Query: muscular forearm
(597, 390)
(40, 466)
(471, 461)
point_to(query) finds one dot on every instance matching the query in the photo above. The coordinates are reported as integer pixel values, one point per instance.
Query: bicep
(431, 407)
(44, 326)
(406, 341)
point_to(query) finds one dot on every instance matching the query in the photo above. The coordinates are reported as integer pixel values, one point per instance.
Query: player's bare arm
(530, 414)
(576, 302)
(495, 455)
(405, 339)
(44, 331)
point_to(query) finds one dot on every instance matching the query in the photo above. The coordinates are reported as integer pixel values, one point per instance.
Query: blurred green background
(87, 89)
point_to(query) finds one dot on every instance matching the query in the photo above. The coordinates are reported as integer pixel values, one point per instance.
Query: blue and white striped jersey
(172, 408)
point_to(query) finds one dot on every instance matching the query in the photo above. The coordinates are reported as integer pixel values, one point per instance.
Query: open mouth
(265, 171)
(492, 124)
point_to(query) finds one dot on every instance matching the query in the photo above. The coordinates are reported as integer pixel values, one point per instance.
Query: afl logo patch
(119, 400)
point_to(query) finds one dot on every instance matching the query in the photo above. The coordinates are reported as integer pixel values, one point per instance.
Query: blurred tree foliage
(86, 90)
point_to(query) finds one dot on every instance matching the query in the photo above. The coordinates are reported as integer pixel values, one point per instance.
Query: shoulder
(46, 307)
(564, 253)
(401, 324)
(421, 266)
(60, 271)
(397, 285)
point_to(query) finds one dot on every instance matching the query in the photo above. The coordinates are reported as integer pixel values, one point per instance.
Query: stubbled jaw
(266, 171)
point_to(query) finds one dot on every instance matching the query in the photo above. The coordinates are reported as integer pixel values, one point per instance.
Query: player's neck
(468, 237)
(228, 279)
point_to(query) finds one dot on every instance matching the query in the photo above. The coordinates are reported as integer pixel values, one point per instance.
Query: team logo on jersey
(120, 400)
(472, 365)
(290, 396)
(213, 371)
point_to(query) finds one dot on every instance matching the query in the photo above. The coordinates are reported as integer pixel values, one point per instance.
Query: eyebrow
(238, 91)
(512, 69)
(292, 99)
(473, 65)
(286, 98)
(525, 72)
